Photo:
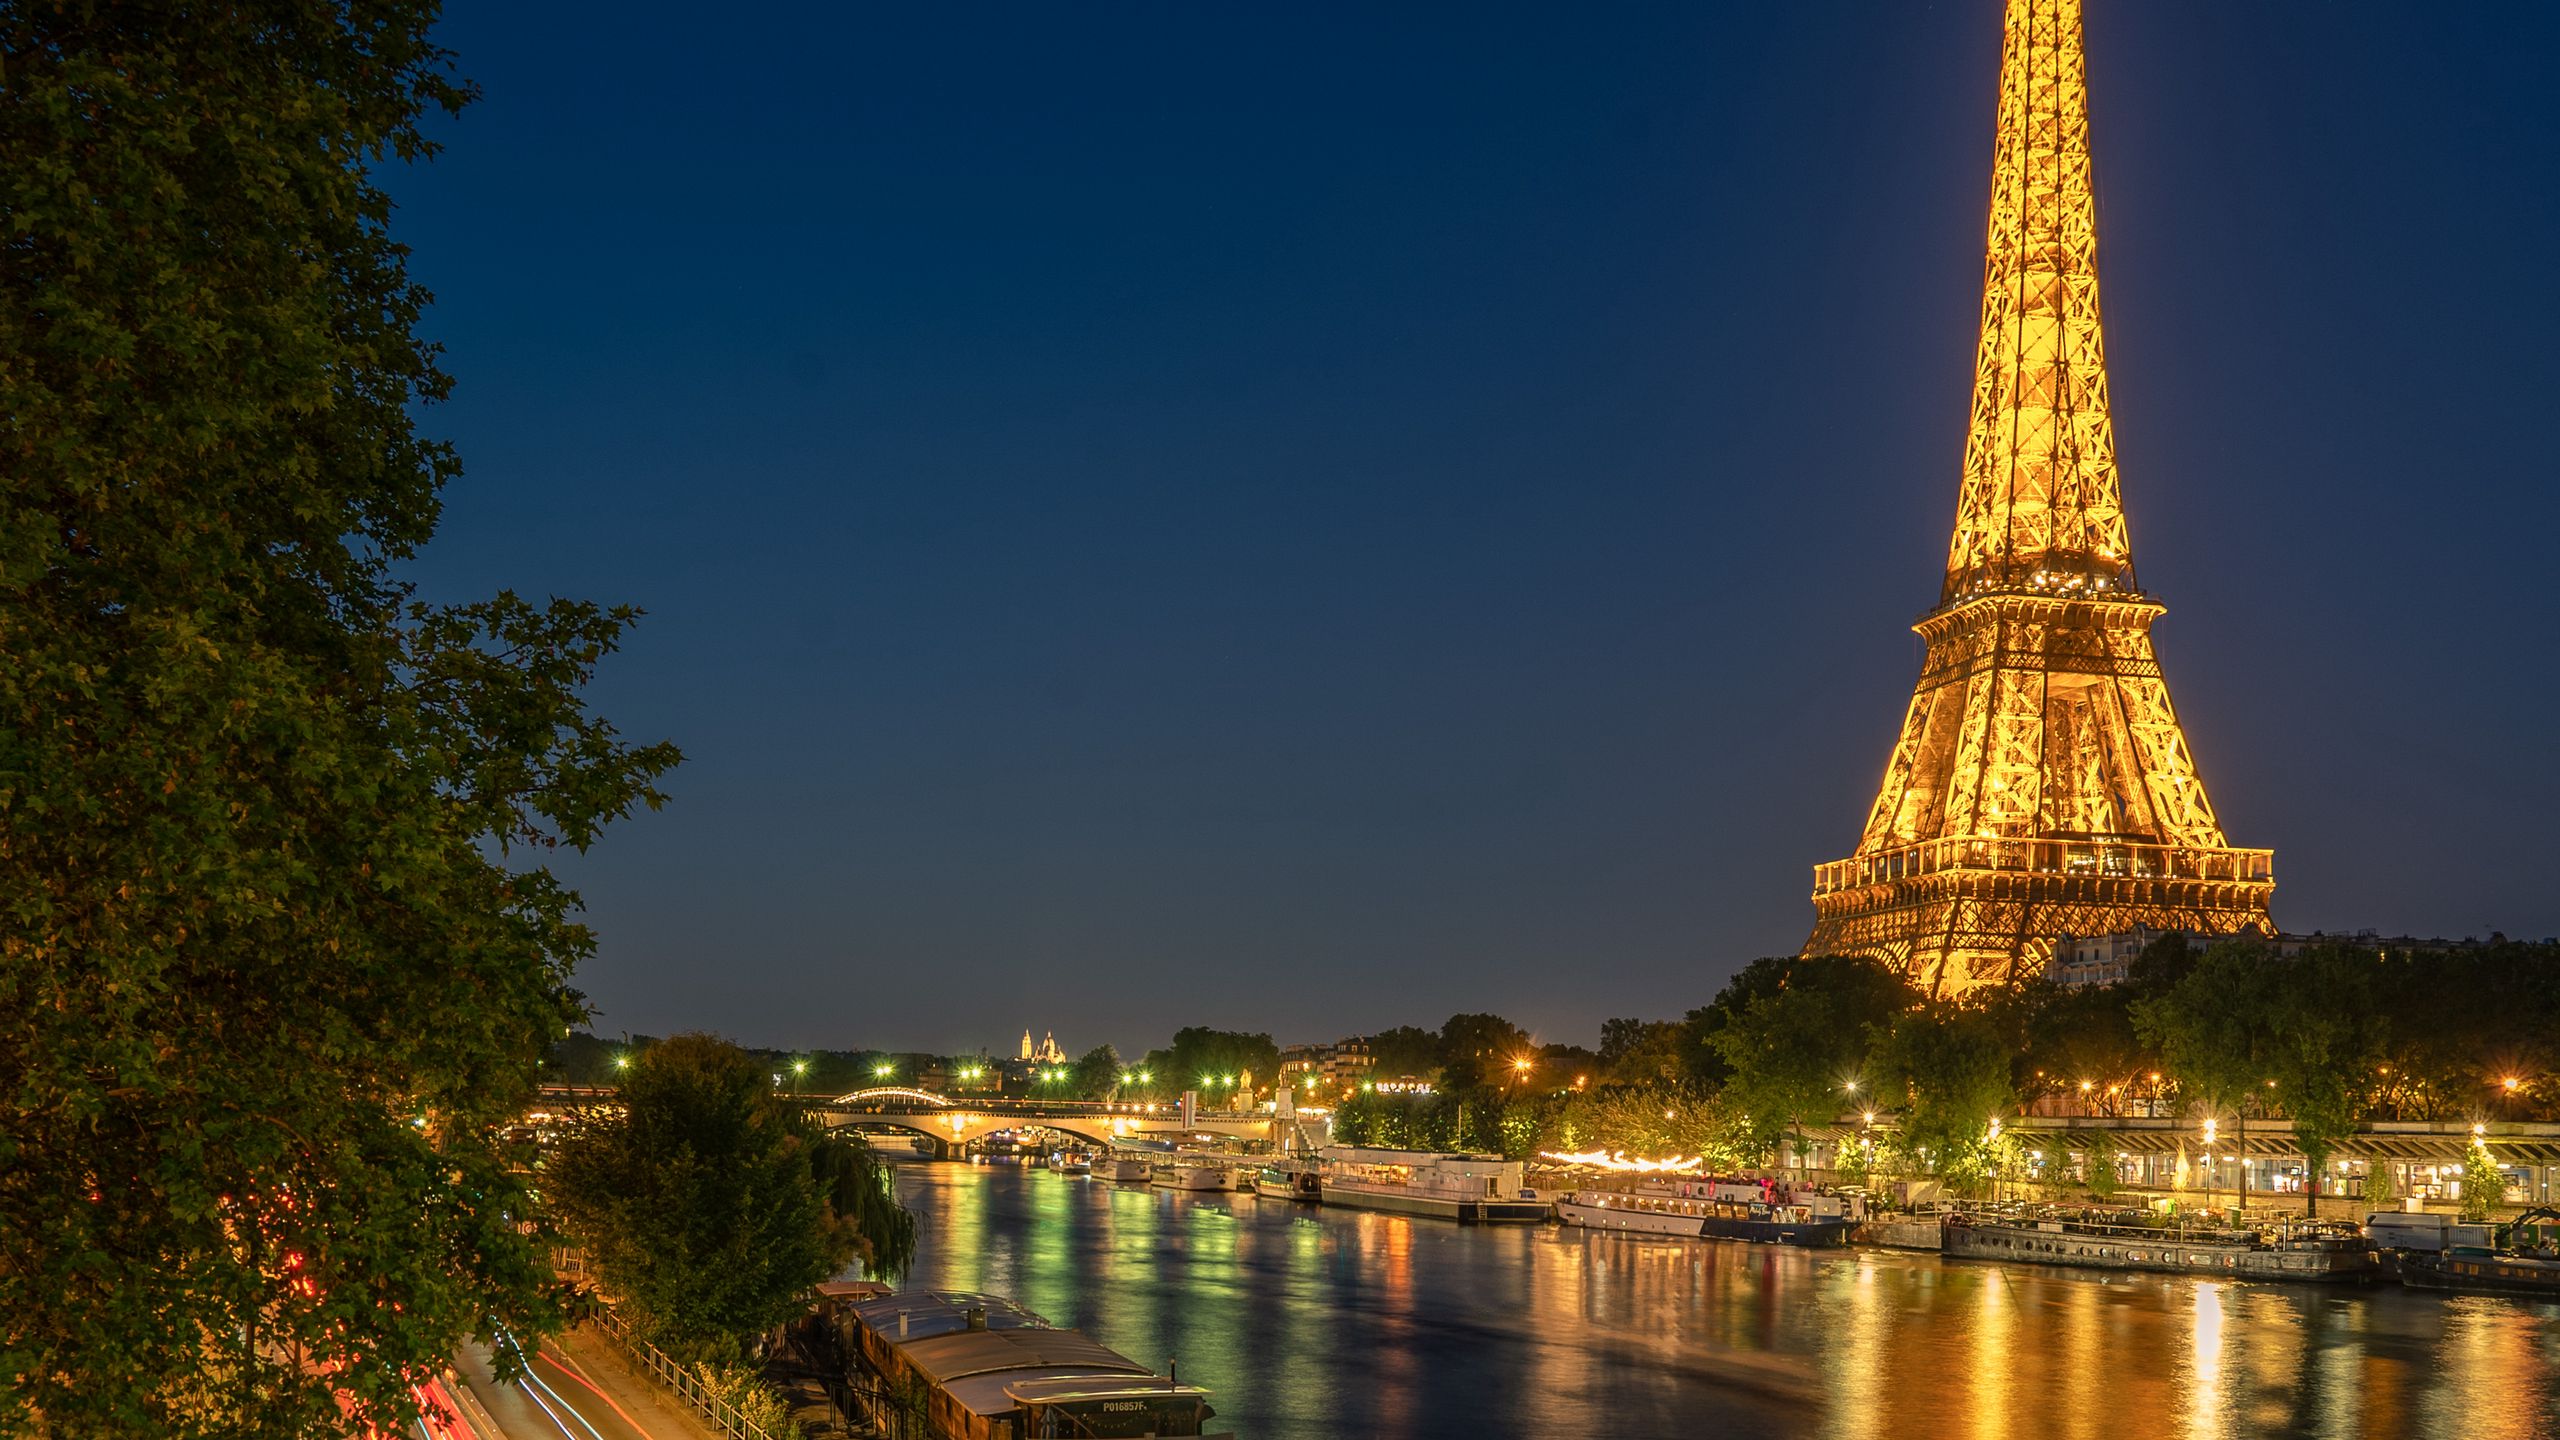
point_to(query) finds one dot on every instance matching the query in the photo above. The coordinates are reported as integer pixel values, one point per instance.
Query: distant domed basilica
(1046, 1052)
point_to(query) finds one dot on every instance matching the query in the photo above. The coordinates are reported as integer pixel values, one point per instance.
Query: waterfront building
(2081, 961)
(2040, 785)
(1338, 1068)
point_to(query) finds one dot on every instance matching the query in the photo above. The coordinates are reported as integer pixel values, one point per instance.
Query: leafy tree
(1703, 1061)
(2323, 1037)
(2377, 1184)
(278, 973)
(2079, 1038)
(1558, 1066)
(1644, 1052)
(2214, 1034)
(1477, 1051)
(1097, 1072)
(1198, 1051)
(709, 1207)
(1407, 1051)
(1949, 1065)
(1793, 1054)
(2483, 1183)
(2098, 1164)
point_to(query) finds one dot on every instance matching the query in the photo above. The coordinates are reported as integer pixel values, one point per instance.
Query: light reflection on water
(1311, 1324)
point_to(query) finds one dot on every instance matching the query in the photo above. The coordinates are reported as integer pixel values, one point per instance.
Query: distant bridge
(957, 1121)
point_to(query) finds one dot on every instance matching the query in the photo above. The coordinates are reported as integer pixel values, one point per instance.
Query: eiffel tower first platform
(2041, 786)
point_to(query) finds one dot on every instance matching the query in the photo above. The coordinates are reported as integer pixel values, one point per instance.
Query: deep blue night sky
(1310, 520)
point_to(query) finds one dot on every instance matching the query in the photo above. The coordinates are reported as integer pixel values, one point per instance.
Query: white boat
(1196, 1175)
(1712, 1209)
(1129, 1169)
(1283, 1182)
(1465, 1188)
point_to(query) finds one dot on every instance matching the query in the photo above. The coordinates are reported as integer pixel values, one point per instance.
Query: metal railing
(2100, 859)
(681, 1379)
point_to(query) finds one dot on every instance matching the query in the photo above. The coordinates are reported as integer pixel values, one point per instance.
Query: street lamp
(799, 1068)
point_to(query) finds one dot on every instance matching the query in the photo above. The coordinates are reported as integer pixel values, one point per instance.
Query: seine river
(1309, 1324)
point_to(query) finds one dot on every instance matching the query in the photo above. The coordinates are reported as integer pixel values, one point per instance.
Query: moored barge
(2304, 1253)
(987, 1369)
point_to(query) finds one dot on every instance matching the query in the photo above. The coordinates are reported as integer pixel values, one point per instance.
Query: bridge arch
(879, 1093)
(959, 1127)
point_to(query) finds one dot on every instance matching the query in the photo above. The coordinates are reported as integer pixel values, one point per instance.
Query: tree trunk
(2316, 1165)
(2240, 1144)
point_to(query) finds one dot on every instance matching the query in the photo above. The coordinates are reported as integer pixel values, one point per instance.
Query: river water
(1309, 1324)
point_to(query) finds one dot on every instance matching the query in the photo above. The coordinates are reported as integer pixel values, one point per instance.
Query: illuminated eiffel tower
(2041, 786)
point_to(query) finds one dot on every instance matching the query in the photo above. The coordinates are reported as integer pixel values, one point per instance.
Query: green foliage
(1516, 1133)
(743, 1389)
(1476, 1051)
(279, 962)
(1702, 1061)
(1950, 1066)
(1653, 1123)
(2323, 1037)
(2076, 1037)
(2483, 1183)
(1644, 1052)
(1791, 1053)
(708, 1206)
(2098, 1164)
(2213, 1030)
(1096, 1073)
(2377, 1185)
(1407, 1052)
(1199, 1051)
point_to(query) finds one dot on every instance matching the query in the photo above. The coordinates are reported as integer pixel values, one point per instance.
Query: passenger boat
(1128, 1169)
(1469, 1189)
(987, 1369)
(1190, 1174)
(1710, 1209)
(1071, 1162)
(1287, 1182)
(2304, 1252)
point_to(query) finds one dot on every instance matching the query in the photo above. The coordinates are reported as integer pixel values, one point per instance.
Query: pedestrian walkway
(581, 1388)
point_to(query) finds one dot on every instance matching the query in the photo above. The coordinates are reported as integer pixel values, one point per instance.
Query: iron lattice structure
(2041, 786)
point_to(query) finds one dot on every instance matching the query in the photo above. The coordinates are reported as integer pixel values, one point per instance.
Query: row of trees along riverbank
(2313, 1043)
(708, 1205)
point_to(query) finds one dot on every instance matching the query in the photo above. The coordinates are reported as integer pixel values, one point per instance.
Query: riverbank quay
(2420, 1162)
(1903, 1233)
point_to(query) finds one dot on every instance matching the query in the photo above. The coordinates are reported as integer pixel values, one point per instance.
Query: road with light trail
(558, 1399)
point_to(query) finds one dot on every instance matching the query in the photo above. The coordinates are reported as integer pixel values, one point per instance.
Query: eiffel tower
(2041, 786)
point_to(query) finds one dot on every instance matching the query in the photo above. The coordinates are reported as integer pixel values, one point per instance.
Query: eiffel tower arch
(2041, 785)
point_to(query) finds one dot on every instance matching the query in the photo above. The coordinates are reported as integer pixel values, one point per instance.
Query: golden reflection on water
(1313, 1324)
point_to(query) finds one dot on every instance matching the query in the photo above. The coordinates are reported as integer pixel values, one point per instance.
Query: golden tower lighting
(2041, 786)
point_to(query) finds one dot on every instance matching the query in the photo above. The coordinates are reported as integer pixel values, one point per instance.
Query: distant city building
(1046, 1052)
(2081, 961)
(1337, 1067)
